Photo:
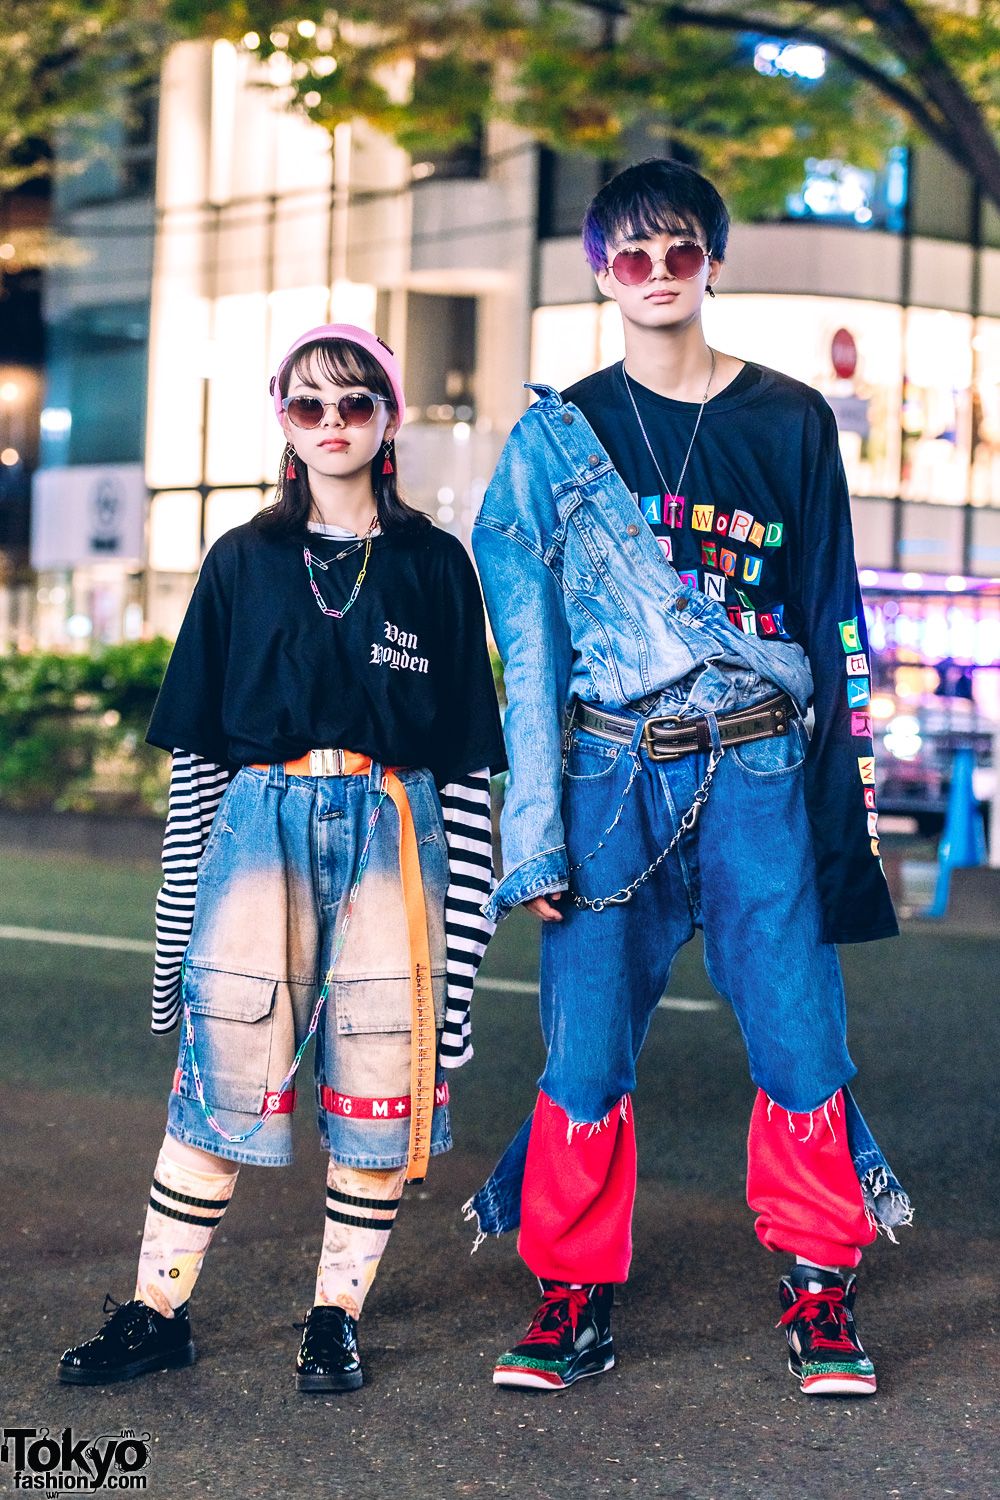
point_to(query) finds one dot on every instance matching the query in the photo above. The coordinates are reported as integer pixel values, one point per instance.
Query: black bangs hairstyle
(658, 196)
(343, 363)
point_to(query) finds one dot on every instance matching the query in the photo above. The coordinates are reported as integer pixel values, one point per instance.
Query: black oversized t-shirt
(260, 674)
(762, 524)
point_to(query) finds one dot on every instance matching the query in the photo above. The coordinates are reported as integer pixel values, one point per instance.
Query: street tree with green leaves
(577, 76)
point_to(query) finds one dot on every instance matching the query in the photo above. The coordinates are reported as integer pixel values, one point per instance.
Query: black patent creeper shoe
(328, 1358)
(135, 1340)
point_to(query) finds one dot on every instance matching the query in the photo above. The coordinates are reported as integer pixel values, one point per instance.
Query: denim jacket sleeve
(517, 552)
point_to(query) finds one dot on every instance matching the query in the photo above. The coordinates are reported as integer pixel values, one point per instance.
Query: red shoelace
(822, 1308)
(560, 1309)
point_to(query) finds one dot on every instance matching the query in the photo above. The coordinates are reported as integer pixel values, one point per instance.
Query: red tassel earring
(387, 465)
(291, 472)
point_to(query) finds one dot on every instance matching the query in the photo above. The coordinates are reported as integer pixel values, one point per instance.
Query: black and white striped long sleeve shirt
(196, 788)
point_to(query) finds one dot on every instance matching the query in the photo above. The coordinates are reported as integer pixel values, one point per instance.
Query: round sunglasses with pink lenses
(355, 409)
(683, 261)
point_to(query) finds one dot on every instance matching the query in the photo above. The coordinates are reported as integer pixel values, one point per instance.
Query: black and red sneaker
(824, 1351)
(568, 1338)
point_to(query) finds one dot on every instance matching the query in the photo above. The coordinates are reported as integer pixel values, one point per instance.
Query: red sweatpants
(579, 1190)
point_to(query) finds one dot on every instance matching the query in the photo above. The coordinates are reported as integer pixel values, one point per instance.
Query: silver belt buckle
(326, 762)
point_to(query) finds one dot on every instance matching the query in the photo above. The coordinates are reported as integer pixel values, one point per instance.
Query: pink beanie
(352, 335)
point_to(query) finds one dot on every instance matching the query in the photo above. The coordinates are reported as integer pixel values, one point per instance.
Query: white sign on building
(88, 513)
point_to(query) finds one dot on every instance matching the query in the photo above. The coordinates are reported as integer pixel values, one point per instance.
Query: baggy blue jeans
(746, 876)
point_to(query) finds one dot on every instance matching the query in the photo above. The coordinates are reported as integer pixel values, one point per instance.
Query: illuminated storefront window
(797, 335)
(225, 509)
(937, 406)
(567, 343)
(986, 413)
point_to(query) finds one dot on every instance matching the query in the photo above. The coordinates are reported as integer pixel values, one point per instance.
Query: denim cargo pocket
(232, 1015)
(381, 1004)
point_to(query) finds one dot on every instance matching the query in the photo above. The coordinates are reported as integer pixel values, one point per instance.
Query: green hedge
(72, 730)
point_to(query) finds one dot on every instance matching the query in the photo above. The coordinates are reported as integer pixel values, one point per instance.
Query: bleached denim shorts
(273, 891)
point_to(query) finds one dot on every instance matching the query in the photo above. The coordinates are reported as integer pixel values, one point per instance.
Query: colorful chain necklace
(311, 561)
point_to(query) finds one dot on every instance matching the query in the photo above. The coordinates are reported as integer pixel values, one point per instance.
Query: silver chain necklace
(671, 494)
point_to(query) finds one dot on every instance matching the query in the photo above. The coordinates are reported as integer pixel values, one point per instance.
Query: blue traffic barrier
(963, 842)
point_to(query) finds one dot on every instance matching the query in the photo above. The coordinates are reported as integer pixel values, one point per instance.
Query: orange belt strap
(423, 1028)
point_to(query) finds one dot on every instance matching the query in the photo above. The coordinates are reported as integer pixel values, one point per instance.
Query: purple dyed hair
(658, 196)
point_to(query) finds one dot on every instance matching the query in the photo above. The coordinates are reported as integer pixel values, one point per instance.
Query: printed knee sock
(185, 1207)
(360, 1212)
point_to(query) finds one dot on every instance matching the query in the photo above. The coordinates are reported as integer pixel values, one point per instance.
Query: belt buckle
(647, 743)
(326, 762)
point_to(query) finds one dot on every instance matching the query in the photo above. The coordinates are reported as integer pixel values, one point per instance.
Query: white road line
(524, 987)
(508, 986)
(77, 939)
(674, 1002)
(142, 945)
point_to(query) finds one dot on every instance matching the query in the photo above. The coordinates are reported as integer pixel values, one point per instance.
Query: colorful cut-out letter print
(651, 510)
(710, 554)
(666, 546)
(715, 586)
(849, 634)
(858, 691)
(691, 579)
(866, 769)
(857, 665)
(739, 526)
(861, 724)
(702, 517)
(870, 798)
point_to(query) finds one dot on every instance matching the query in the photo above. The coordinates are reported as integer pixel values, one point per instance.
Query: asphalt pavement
(700, 1406)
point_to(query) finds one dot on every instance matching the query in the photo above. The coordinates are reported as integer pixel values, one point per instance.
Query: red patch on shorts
(280, 1104)
(352, 1107)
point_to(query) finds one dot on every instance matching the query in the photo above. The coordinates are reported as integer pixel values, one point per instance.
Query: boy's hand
(543, 907)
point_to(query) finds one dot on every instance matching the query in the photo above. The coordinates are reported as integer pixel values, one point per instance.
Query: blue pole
(963, 842)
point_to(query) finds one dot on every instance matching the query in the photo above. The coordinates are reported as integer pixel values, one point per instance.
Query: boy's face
(666, 299)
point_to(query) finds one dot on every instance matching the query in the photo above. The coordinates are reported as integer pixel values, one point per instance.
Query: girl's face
(664, 301)
(333, 448)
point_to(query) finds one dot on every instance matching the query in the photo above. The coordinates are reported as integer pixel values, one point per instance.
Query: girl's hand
(542, 907)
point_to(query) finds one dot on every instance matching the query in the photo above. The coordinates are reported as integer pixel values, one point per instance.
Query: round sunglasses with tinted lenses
(355, 409)
(683, 261)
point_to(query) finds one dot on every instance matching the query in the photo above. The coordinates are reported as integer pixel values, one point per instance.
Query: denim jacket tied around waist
(583, 604)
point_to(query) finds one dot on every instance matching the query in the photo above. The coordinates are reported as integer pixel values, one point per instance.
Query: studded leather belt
(670, 737)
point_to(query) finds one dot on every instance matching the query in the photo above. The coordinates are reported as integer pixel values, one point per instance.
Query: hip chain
(686, 824)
